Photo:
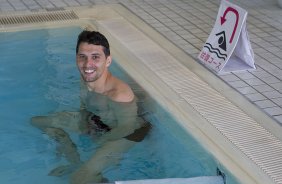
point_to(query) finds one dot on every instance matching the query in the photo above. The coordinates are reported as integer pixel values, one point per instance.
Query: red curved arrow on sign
(223, 19)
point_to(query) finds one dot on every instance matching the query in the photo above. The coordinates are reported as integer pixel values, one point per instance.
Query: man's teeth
(89, 71)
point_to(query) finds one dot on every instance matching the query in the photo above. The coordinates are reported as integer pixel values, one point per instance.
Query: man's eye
(95, 57)
(82, 57)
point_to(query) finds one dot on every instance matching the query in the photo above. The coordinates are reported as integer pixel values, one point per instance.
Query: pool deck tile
(187, 24)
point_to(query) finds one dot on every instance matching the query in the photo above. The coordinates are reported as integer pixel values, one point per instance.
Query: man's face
(91, 61)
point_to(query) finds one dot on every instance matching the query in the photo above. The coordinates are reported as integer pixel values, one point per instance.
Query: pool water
(38, 76)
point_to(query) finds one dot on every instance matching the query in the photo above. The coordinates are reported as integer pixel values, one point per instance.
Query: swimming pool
(39, 76)
(241, 138)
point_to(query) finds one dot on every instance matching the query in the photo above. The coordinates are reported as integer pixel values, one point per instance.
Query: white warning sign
(228, 47)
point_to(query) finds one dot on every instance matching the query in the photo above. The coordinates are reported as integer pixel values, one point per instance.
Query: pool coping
(178, 100)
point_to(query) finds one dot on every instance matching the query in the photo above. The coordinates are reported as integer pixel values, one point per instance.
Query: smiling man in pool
(108, 114)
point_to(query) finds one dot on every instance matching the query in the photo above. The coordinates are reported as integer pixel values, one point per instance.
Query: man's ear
(108, 61)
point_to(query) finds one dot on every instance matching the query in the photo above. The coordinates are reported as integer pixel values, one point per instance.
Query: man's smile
(89, 71)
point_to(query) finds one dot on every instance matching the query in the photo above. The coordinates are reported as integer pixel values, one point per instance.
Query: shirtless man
(108, 113)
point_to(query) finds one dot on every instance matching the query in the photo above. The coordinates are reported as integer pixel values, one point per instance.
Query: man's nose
(89, 62)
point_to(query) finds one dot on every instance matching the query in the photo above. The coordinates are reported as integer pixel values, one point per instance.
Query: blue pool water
(38, 76)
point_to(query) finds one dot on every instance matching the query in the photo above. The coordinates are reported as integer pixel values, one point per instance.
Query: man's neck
(100, 86)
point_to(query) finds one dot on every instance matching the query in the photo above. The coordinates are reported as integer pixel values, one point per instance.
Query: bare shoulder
(121, 92)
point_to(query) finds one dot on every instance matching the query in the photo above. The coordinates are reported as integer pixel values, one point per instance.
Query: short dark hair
(95, 38)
